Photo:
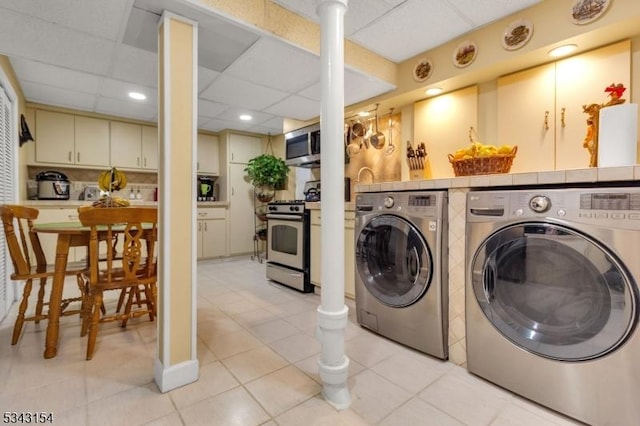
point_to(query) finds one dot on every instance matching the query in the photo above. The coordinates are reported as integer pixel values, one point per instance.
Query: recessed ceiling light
(562, 50)
(245, 117)
(433, 91)
(137, 96)
(364, 113)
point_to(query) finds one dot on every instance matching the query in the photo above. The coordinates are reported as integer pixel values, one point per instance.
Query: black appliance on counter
(205, 189)
(53, 185)
(289, 244)
(312, 191)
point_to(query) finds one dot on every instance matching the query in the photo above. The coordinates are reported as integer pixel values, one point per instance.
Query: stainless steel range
(288, 246)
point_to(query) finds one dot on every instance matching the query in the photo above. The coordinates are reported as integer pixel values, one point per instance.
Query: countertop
(64, 204)
(597, 175)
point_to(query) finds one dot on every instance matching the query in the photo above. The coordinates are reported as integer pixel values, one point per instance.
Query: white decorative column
(177, 362)
(333, 364)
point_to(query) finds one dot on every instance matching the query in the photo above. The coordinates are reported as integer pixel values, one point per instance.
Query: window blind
(7, 173)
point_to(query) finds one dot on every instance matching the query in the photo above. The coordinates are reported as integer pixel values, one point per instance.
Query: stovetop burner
(294, 202)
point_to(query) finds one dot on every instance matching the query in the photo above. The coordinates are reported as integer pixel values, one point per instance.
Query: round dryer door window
(393, 260)
(554, 291)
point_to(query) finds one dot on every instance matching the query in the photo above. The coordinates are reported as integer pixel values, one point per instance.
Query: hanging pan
(377, 139)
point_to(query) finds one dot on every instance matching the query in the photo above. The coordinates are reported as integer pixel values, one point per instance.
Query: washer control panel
(604, 206)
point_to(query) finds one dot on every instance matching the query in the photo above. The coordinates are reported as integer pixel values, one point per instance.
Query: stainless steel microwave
(303, 147)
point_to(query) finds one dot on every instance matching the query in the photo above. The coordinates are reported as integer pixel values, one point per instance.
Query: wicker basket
(500, 163)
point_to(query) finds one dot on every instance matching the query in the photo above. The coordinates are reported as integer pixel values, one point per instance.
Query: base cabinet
(349, 251)
(212, 233)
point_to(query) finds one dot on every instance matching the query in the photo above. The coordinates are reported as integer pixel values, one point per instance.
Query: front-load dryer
(552, 298)
(401, 256)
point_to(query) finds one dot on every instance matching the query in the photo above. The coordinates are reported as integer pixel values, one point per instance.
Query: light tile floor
(258, 357)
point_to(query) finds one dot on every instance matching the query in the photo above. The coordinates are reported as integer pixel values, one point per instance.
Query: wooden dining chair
(22, 241)
(132, 270)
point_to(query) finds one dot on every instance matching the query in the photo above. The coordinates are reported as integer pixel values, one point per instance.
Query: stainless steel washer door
(393, 260)
(554, 291)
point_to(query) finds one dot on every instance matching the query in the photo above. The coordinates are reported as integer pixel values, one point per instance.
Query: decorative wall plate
(517, 34)
(585, 11)
(422, 70)
(464, 54)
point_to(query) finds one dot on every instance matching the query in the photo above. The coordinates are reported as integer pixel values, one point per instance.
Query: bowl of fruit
(481, 159)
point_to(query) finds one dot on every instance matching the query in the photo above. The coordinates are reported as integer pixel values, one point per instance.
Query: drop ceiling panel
(48, 95)
(359, 87)
(210, 109)
(236, 92)
(123, 108)
(412, 28)
(117, 89)
(296, 107)
(142, 30)
(97, 17)
(205, 78)
(232, 114)
(278, 65)
(359, 12)
(53, 76)
(27, 37)
(219, 41)
(481, 12)
(135, 65)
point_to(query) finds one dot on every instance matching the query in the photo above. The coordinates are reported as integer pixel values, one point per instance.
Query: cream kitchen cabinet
(540, 109)
(240, 149)
(150, 148)
(243, 148)
(212, 232)
(349, 251)
(208, 154)
(49, 241)
(442, 123)
(126, 145)
(134, 146)
(71, 140)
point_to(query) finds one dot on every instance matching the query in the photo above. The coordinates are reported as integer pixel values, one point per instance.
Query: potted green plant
(267, 172)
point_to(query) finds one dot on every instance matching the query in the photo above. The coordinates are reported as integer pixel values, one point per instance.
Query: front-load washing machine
(401, 258)
(552, 298)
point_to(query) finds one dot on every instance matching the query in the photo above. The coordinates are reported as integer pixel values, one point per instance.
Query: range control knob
(389, 202)
(540, 204)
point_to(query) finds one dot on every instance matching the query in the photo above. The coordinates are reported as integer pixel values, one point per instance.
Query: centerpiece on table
(109, 181)
(266, 173)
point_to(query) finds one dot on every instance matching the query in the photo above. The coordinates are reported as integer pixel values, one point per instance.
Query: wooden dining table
(70, 234)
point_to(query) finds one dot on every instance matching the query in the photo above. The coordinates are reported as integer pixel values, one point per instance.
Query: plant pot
(262, 234)
(264, 193)
(261, 213)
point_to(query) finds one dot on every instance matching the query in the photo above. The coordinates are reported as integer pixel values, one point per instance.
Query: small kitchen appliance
(205, 188)
(52, 185)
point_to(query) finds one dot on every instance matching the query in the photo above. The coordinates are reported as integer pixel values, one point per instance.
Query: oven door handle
(293, 218)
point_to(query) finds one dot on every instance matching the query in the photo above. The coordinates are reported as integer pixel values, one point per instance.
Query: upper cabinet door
(54, 137)
(243, 148)
(150, 148)
(92, 141)
(442, 124)
(208, 154)
(126, 145)
(541, 109)
(581, 80)
(526, 117)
